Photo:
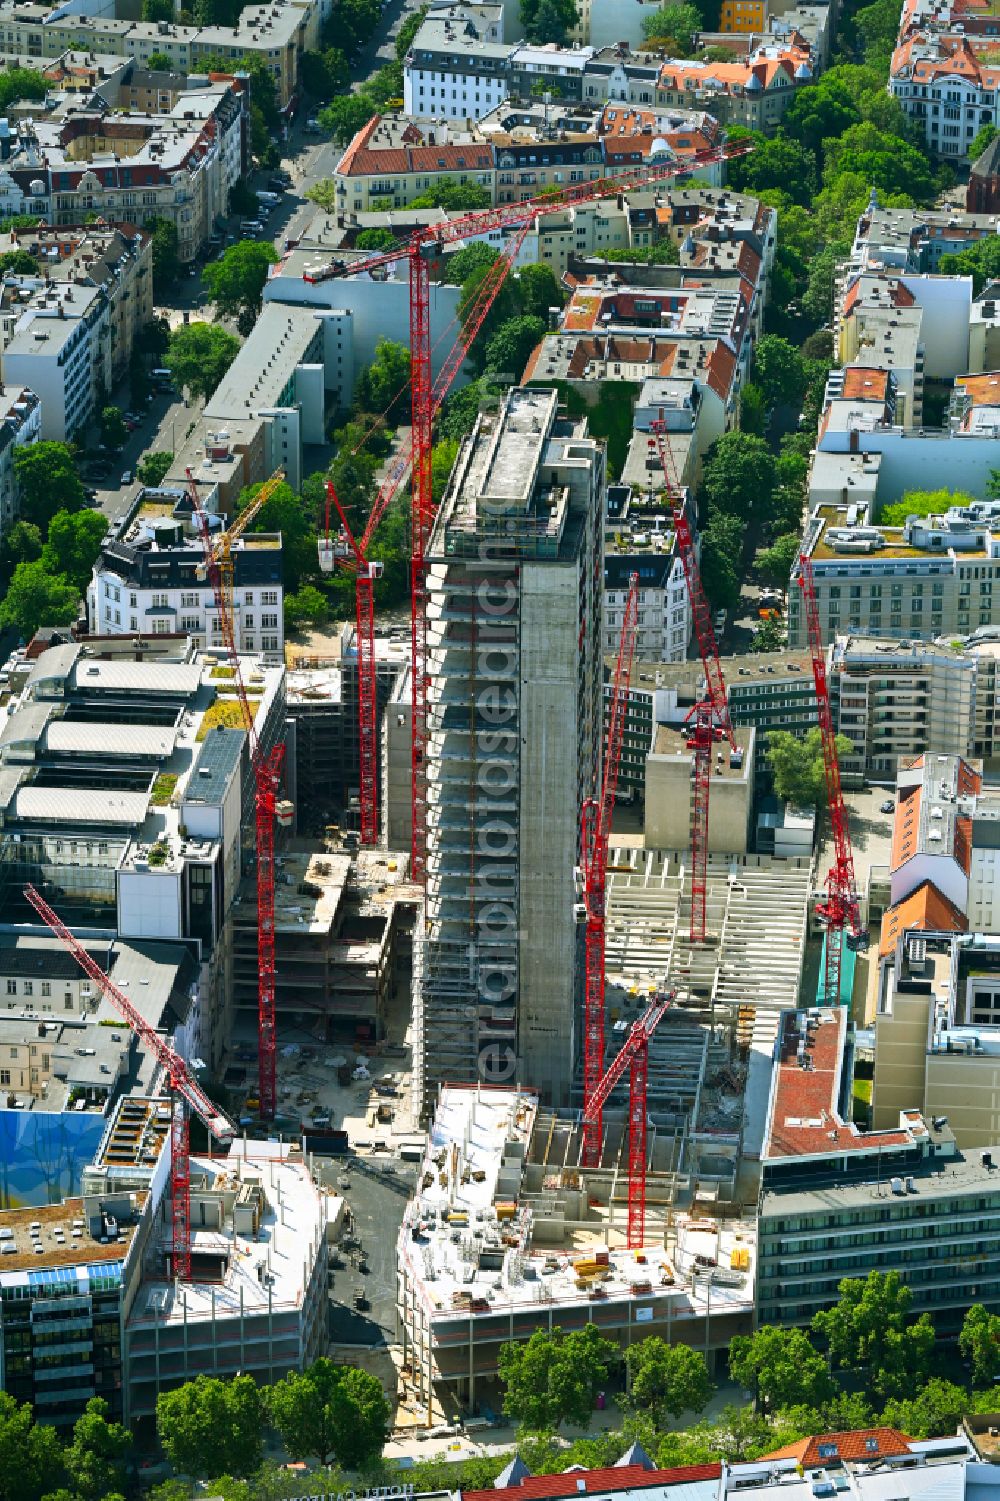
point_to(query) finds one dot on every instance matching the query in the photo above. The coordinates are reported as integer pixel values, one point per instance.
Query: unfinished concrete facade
(514, 628)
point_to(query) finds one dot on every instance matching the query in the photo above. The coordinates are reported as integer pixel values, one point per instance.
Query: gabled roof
(600, 1482)
(857, 1444)
(926, 910)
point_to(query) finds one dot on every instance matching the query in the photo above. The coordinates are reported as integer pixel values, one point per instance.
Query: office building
(841, 1202)
(514, 618)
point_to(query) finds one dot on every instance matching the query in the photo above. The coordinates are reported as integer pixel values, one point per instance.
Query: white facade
(116, 608)
(20, 424)
(452, 94)
(664, 619)
(949, 109)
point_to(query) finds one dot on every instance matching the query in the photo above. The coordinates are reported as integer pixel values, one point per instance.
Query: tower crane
(268, 768)
(594, 835)
(634, 1056)
(222, 542)
(421, 252)
(367, 571)
(185, 1091)
(839, 910)
(711, 721)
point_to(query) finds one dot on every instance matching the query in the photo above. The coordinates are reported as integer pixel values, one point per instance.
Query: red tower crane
(711, 716)
(634, 1056)
(184, 1089)
(421, 252)
(839, 910)
(594, 835)
(355, 552)
(268, 769)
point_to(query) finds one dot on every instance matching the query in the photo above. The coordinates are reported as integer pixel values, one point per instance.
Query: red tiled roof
(857, 1444)
(363, 159)
(864, 384)
(925, 909)
(804, 1116)
(626, 1478)
(984, 390)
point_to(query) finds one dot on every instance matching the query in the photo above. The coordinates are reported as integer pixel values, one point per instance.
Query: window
(29, 988)
(4, 1075)
(12, 987)
(269, 621)
(46, 988)
(269, 597)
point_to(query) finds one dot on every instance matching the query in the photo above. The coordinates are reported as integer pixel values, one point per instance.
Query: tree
(776, 562)
(981, 261)
(554, 1378)
(73, 545)
(509, 348)
(408, 30)
(344, 117)
(308, 607)
(778, 162)
(545, 21)
(210, 1427)
(48, 481)
(739, 475)
(157, 10)
(675, 24)
(781, 1367)
(198, 356)
(779, 370)
(721, 550)
(819, 112)
(666, 1380)
(166, 254)
(375, 239)
(985, 136)
(769, 634)
(113, 429)
(153, 468)
(284, 512)
(160, 62)
(868, 1329)
(21, 544)
(18, 263)
(331, 1411)
(934, 1411)
(30, 1452)
(95, 1459)
(539, 290)
(923, 503)
(236, 280)
(36, 597)
(447, 193)
(663, 253)
(21, 83)
(797, 765)
(384, 385)
(979, 1342)
(460, 265)
(883, 161)
(323, 73)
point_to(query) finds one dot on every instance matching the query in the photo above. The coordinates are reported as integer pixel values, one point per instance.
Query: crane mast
(268, 769)
(185, 1091)
(634, 1056)
(840, 910)
(711, 721)
(421, 252)
(594, 836)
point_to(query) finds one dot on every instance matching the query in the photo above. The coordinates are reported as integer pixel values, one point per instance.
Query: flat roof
(80, 805)
(177, 678)
(65, 1241)
(88, 738)
(218, 759)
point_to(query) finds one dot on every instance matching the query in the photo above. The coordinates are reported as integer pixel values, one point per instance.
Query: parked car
(888, 806)
(127, 477)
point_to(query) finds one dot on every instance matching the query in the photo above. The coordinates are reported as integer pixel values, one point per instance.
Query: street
(308, 159)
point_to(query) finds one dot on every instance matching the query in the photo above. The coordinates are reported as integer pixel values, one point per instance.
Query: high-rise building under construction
(514, 655)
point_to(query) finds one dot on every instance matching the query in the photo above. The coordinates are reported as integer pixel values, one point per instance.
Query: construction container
(325, 555)
(284, 813)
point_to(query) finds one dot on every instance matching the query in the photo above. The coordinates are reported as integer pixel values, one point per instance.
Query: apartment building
(664, 628)
(944, 80)
(514, 599)
(68, 333)
(279, 32)
(150, 578)
(753, 91)
(82, 160)
(20, 424)
(914, 239)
